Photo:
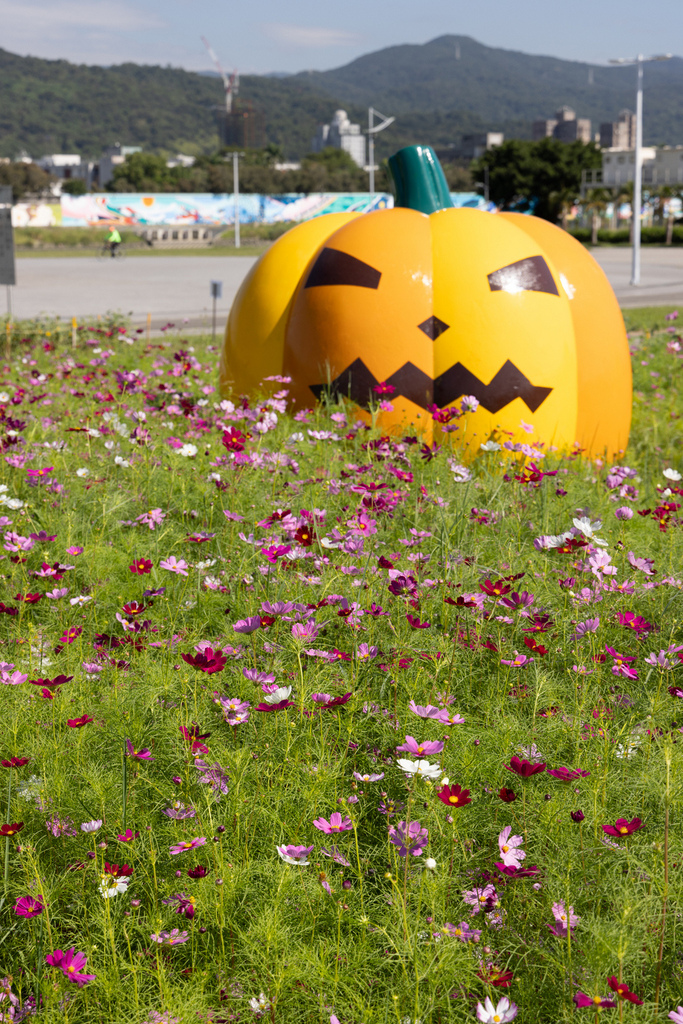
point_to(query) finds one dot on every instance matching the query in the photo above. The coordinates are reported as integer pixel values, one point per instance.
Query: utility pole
(236, 192)
(638, 158)
(372, 131)
(7, 271)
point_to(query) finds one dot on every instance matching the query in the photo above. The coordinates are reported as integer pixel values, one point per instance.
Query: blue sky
(271, 35)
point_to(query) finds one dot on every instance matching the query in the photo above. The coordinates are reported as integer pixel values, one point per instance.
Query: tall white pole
(637, 176)
(371, 150)
(236, 195)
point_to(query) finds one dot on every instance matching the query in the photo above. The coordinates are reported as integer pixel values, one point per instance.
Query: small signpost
(216, 293)
(7, 270)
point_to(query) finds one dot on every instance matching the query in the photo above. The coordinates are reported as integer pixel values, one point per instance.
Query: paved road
(176, 288)
(171, 288)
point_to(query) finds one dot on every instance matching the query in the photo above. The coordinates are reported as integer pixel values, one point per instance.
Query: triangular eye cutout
(335, 267)
(529, 275)
(433, 327)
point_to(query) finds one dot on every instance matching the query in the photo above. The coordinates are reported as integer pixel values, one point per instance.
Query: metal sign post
(373, 130)
(7, 268)
(216, 293)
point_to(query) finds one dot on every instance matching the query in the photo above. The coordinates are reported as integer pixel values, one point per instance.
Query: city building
(661, 166)
(476, 144)
(67, 167)
(341, 134)
(619, 134)
(113, 157)
(565, 126)
(243, 127)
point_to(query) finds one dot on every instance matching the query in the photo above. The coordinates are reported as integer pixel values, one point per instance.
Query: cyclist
(114, 241)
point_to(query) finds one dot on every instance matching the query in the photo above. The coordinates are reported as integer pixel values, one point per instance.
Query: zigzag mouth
(357, 383)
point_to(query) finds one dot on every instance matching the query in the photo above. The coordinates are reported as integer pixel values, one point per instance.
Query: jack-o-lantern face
(458, 302)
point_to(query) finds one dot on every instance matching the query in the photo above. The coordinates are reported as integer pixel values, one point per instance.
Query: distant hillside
(53, 106)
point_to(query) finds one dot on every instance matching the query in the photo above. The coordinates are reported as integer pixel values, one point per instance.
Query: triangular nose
(433, 327)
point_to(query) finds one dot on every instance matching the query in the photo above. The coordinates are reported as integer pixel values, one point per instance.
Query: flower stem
(665, 893)
(124, 784)
(9, 804)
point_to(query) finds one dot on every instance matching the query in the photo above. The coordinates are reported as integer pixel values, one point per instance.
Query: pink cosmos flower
(191, 844)
(368, 778)
(71, 635)
(563, 920)
(425, 749)
(173, 564)
(174, 938)
(409, 838)
(335, 824)
(305, 630)
(520, 661)
(622, 827)
(154, 517)
(295, 854)
(508, 845)
(247, 625)
(428, 711)
(71, 965)
(481, 898)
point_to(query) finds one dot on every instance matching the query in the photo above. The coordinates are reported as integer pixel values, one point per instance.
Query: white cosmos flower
(490, 446)
(124, 463)
(589, 530)
(112, 886)
(282, 693)
(672, 474)
(188, 451)
(423, 768)
(82, 471)
(80, 600)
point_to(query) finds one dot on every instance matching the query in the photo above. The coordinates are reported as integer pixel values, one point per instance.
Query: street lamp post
(373, 130)
(236, 192)
(638, 159)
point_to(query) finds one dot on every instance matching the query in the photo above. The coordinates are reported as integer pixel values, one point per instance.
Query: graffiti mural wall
(180, 208)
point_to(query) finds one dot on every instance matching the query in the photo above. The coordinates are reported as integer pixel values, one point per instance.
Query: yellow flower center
(597, 1000)
(71, 969)
(453, 799)
(504, 849)
(623, 830)
(496, 1018)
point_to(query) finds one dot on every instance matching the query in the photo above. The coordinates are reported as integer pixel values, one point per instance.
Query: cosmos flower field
(302, 723)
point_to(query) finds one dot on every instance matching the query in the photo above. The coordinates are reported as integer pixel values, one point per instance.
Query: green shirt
(114, 236)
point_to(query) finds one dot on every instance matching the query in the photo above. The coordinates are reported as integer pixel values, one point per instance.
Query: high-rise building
(340, 133)
(619, 134)
(565, 126)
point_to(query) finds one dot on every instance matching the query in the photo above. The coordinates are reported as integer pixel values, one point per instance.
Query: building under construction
(243, 127)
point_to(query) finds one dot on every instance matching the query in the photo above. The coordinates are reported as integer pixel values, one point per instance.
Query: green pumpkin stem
(419, 180)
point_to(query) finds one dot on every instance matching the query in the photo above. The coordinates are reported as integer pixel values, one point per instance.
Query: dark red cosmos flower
(507, 795)
(539, 624)
(141, 566)
(28, 598)
(454, 796)
(305, 536)
(525, 769)
(116, 871)
(530, 872)
(495, 589)
(15, 762)
(383, 388)
(534, 646)
(414, 621)
(6, 609)
(460, 602)
(335, 702)
(384, 563)
(233, 440)
(275, 707)
(622, 827)
(51, 684)
(11, 830)
(496, 977)
(622, 990)
(577, 816)
(199, 872)
(134, 608)
(77, 723)
(208, 660)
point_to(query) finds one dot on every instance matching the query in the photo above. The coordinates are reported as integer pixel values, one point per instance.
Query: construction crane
(231, 83)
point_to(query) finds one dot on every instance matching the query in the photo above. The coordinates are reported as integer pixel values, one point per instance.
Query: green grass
(106, 422)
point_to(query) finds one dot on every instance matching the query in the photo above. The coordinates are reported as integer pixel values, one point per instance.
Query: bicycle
(106, 253)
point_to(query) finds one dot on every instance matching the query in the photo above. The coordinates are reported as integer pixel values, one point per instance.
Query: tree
(25, 179)
(542, 177)
(595, 202)
(663, 195)
(141, 172)
(74, 187)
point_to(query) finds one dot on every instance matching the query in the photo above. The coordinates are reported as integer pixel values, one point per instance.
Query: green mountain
(437, 91)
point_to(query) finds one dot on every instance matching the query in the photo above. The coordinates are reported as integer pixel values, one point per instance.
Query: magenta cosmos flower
(622, 827)
(190, 844)
(141, 755)
(567, 774)
(71, 965)
(595, 1002)
(335, 824)
(27, 906)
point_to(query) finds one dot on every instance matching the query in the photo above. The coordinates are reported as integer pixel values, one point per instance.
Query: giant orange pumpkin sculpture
(440, 303)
